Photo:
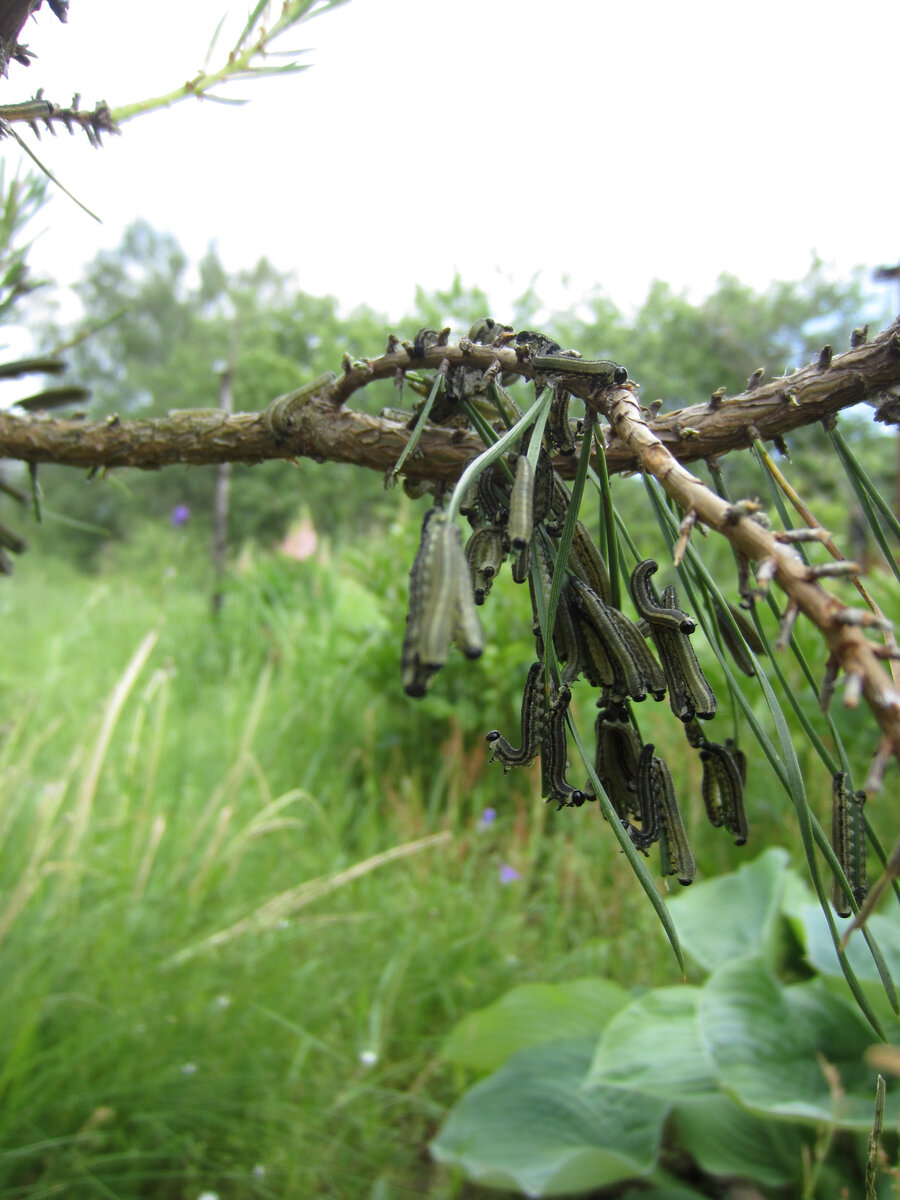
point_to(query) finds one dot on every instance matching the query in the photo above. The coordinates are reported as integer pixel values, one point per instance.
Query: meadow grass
(247, 887)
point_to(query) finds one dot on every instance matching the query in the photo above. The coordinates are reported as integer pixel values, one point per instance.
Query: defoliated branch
(316, 424)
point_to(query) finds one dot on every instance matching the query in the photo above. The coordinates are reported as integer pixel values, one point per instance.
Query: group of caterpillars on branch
(517, 506)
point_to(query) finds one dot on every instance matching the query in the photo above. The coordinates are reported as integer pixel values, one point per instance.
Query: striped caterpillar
(848, 840)
(532, 720)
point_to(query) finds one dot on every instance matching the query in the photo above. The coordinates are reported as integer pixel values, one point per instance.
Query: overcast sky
(516, 141)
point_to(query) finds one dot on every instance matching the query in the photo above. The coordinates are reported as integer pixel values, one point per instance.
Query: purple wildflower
(509, 874)
(181, 514)
(488, 817)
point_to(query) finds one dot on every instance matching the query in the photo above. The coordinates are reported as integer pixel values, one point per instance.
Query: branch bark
(324, 429)
(849, 647)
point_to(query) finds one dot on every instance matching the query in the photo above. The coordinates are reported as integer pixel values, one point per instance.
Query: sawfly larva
(848, 840)
(723, 790)
(676, 856)
(648, 604)
(559, 430)
(532, 725)
(554, 754)
(689, 692)
(521, 505)
(648, 786)
(414, 673)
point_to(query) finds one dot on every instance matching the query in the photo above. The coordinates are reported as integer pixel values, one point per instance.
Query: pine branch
(316, 424)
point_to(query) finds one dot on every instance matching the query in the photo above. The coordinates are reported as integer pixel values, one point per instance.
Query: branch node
(860, 617)
(684, 532)
(853, 688)
(715, 400)
(826, 354)
(859, 336)
(755, 379)
(829, 681)
(786, 625)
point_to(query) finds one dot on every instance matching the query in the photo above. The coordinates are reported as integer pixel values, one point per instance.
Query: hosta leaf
(534, 1128)
(653, 1046)
(726, 1140)
(734, 917)
(773, 1047)
(529, 1015)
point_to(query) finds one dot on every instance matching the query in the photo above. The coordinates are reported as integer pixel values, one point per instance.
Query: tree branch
(850, 648)
(318, 426)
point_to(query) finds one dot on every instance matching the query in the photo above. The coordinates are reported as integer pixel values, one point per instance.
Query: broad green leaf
(773, 1047)
(726, 1140)
(813, 930)
(532, 1126)
(653, 1046)
(530, 1015)
(736, 916)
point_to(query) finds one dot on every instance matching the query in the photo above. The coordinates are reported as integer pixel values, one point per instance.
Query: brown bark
(324, 430)
(849, 646)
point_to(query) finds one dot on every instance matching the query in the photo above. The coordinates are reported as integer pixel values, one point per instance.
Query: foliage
(239, 762)
(20, 200)
(756, 1071)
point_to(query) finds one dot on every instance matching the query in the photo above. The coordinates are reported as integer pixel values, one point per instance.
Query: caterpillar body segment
(676, 856)
(848, 840)
(740, 758)
(648, 603)
(603, 371)
(616, 758)
(654, 676)
(648, 802)
(635, 669)
(521, 505)
(723, 790)
(415, 674)
(559, 430)
(485, 555)
(712, 797)
(467, 633)
(554, 755)
(543, 487)
(689, 692)
(441, 598)
(586, 561)
(532, 719)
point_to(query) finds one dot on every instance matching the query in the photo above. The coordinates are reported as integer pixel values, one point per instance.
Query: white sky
(515, 140)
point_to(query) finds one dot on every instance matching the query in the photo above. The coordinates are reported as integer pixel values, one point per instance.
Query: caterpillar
(648, 605)
(848, 840)
(484, 554)
(629, 663)
(723, 790)
(559, 430)
(521, 505)
(602, 370)
(532, 721)
(586, 561)
(414, 673)
(676, 856)
(648, 786)
(554, 754)
(616, 757)
(689, 692)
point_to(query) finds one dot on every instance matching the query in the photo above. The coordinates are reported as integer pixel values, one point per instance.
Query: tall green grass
(247, 886)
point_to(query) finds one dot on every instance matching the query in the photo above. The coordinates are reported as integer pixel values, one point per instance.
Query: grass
(247, 887)
(233, 929)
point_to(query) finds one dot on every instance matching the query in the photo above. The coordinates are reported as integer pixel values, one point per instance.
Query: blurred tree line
(163, 327)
